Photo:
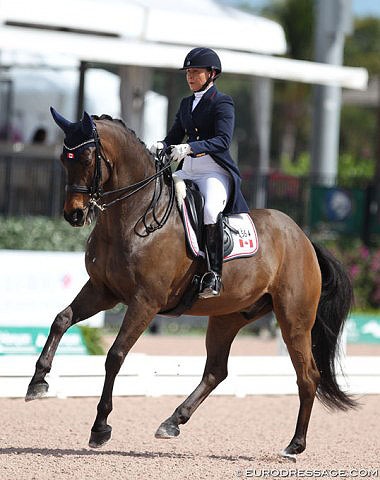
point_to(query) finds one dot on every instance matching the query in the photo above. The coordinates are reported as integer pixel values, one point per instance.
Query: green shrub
(350, 167)
(41, 233)
(93, 340)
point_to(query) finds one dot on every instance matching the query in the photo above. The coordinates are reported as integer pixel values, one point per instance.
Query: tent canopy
(159, 21)
(154, 33)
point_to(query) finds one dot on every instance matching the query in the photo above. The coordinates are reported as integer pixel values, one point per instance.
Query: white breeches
(213, 182)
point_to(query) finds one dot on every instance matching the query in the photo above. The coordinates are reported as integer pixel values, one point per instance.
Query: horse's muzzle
(76, 217)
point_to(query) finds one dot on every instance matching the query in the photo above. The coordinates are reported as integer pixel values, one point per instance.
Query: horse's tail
(334, 306)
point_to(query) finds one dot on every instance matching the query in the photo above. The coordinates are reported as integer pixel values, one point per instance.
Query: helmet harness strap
(210, 79)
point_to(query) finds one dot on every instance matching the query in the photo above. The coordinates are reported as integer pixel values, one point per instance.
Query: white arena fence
(150, 375)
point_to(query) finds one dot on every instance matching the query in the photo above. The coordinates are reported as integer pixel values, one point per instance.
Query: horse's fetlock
(104, 409)
(43, 365)
(182, 415)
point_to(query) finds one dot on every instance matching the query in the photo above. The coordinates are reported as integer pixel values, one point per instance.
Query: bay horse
(136, 255)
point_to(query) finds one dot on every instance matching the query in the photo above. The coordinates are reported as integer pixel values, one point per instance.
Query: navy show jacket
(208, 129)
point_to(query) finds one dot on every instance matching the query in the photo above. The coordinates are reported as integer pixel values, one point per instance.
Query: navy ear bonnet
(78, 135)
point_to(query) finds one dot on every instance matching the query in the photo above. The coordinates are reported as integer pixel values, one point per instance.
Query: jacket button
(196, 129)
(198, 138)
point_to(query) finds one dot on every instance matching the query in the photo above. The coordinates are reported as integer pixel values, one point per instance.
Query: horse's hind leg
(220, 333)
(87, 303)
(296, 324)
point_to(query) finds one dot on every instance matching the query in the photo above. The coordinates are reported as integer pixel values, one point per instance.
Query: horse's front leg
(87, 303)
(136, 320)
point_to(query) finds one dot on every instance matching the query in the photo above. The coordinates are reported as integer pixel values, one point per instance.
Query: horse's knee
(62, 321)
(212, 379)
(115, 358)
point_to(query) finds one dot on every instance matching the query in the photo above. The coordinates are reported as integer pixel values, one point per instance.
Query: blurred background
(305, 79)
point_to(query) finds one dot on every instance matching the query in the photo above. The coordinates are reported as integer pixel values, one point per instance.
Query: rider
(205, 122)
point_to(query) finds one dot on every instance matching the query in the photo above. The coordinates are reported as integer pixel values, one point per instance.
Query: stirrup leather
(210, 285)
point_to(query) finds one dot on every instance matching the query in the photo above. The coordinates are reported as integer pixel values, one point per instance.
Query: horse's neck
(131, 167)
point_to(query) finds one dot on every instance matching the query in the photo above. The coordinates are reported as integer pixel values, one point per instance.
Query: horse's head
(82, 160)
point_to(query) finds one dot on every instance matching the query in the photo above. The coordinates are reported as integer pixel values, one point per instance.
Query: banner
(363, 328)
(337, 209)
(36, 286)
(31, 340)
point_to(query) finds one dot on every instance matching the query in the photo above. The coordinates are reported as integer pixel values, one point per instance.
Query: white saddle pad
(244, 235)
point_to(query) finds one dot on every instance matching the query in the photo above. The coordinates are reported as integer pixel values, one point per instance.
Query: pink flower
(354, 271)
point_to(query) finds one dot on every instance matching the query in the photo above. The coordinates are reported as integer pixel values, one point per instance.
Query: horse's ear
(59, 120)
(87, 124)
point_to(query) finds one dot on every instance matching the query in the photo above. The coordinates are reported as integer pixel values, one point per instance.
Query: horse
(136, 255)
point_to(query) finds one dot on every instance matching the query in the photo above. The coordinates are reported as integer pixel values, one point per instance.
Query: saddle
(239, 238)
(192, 217)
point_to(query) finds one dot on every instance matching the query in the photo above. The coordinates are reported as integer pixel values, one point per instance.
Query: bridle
(96, 192)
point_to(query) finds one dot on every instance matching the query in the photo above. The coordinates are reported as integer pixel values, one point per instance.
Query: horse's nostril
(75, 218)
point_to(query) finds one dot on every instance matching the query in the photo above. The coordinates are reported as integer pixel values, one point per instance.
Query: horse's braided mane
(104, 116)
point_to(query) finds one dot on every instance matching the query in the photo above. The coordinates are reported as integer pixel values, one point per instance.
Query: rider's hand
(179, 152)
(156, 148)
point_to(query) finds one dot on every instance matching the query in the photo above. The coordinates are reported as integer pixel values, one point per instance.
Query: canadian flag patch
(70, 155)
(246, 243)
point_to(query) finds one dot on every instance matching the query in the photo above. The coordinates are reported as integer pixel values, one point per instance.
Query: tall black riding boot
(211, 280)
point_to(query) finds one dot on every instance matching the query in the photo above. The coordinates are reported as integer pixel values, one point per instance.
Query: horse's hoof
(288, 456)
(295, 447)
(98, 439)
(36, 390)
(167, 430)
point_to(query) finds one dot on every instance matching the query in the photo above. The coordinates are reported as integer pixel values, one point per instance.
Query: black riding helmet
(203, 58)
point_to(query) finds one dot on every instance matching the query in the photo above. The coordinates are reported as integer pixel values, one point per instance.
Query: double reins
(96, 192)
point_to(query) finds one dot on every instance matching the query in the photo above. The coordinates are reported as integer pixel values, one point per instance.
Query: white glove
(156, 147)
(179, 152)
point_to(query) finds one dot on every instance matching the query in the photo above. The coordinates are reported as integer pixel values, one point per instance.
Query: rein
(162, 169)
(96, 193)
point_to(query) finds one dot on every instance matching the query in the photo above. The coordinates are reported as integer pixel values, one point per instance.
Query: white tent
(158, 33)
(34, 91)
(160, 21)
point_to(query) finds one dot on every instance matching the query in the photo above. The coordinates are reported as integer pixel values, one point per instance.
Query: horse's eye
(86, 157)
(87, 161)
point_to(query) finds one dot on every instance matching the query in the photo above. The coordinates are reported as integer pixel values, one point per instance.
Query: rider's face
(197, 77)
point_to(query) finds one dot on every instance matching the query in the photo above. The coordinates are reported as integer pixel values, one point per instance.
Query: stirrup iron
(210, 285)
